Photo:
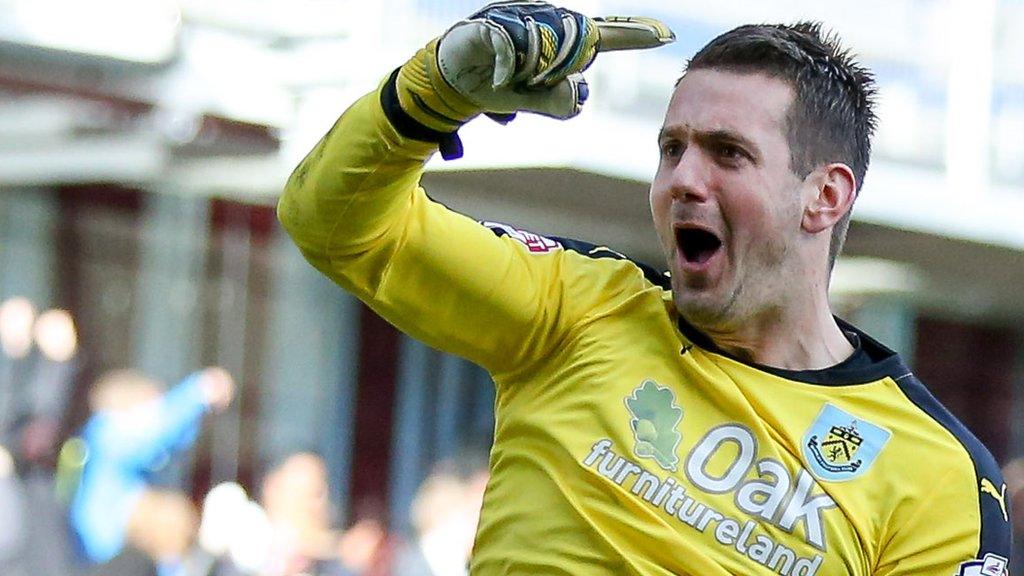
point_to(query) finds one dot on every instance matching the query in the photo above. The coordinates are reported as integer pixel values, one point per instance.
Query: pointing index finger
(632, 33)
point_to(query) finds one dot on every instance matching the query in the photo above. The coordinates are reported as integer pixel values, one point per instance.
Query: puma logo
(987, 487)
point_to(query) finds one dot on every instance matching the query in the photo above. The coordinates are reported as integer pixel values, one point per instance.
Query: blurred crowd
(90, 501)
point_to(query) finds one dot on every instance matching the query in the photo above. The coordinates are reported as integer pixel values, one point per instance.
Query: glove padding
(520, 56)
(509, 57)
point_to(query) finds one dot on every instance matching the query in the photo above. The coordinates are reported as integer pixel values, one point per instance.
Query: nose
(689, 177)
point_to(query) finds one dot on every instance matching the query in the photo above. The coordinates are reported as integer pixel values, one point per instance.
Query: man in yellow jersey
(714, 420)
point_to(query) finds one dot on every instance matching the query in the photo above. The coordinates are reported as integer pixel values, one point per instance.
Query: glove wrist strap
(448, 142)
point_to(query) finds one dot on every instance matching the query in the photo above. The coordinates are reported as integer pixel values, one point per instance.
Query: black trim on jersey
(449, 143)
(589, 250)
(870, 362)
(996, 533)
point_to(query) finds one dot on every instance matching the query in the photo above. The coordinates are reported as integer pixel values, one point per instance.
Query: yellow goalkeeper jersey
(625, 441)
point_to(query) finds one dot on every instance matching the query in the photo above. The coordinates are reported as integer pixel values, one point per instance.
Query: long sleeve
(122, 447)
(147, 433)
(355, 209)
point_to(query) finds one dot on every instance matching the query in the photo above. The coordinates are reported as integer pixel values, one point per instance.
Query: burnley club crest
(840, 446)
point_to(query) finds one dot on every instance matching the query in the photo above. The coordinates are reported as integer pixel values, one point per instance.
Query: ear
(832, 196)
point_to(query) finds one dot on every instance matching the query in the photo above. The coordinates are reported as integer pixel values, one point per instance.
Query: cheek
(763, 223)
(758, 216)
(762, 207)
(747, 215)
(661, 208)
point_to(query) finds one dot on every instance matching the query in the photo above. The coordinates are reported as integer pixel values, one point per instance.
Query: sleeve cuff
(448, 142)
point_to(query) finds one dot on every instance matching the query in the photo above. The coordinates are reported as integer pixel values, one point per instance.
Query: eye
(729, 154)
(671, 149)
(729, 151)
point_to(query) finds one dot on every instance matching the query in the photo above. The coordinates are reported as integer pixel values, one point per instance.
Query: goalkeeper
(714, 420)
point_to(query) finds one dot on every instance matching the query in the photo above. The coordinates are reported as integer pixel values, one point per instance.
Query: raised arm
(355, 208)
(139, 437)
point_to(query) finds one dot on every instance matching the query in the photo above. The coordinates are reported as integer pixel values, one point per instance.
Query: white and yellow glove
(509, 57)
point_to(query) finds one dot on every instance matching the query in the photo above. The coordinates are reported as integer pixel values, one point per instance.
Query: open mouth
(697, 244)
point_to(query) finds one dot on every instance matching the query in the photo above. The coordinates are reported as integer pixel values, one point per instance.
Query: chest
(708, 449)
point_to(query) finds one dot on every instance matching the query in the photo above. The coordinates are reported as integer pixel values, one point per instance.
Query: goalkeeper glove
(508, 57)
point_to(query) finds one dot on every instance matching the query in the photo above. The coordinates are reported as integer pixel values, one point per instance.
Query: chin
(700, 310)
(705, 307)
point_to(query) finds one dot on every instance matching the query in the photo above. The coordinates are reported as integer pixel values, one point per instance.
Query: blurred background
(142, 147)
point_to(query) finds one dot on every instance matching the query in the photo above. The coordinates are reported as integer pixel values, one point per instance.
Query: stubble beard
(752, 294)
(708, 312)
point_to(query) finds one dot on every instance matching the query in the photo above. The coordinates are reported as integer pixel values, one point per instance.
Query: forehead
(750, 104)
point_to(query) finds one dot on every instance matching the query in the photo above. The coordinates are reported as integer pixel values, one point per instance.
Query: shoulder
(983, 471)
(936, 447)
(652, 275)
(603, 256)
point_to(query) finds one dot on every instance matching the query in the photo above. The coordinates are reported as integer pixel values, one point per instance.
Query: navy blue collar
(871, 361)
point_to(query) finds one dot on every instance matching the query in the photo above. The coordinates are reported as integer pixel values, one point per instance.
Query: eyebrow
(717, 135)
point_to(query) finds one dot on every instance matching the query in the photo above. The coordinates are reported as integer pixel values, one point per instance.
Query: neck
(799, 335)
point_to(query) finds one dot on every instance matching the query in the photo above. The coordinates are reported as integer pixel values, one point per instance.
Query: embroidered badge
(840, 446)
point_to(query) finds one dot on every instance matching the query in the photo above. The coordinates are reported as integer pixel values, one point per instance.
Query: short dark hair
(832, 116)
